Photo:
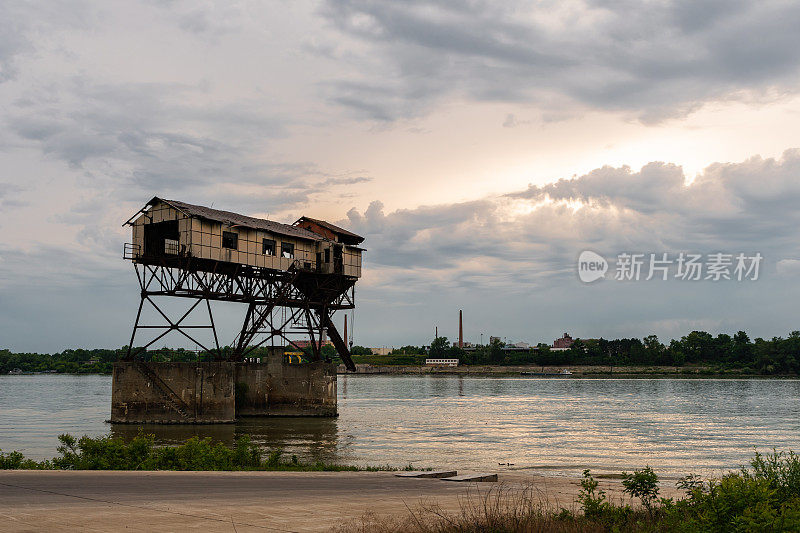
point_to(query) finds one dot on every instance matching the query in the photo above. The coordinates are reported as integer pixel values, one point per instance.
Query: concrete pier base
(220, 392)
(275, 388)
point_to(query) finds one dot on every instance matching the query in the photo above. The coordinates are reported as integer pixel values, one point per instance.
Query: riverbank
(237, 501)
(558, 371)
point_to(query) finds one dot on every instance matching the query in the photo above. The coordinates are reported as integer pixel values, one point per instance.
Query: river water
(554, 426)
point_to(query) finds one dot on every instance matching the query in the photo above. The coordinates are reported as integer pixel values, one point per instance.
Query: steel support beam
(301, 293)
(339, 344)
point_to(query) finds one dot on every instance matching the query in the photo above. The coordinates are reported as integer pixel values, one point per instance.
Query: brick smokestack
(460, 330)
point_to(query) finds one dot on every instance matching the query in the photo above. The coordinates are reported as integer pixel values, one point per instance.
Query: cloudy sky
(479, 146)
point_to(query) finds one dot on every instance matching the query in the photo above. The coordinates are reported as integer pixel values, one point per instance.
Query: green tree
(496, 353)
(360, 350)
(697, 346)
(454, 352)
(653, 349)
(327, 352)
(642, 484)
(439, 347)
(407, 350)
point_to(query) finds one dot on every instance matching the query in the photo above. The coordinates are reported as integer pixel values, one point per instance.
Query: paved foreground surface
(203, 501)
(226, 501)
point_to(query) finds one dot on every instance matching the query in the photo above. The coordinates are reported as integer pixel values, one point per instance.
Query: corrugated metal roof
(333, 228)
(226, 217)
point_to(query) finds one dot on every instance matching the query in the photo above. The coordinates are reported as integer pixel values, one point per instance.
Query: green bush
(17, 461)
(596, 506)
(764, 498)
(780, 469)
(642, 484)
(107, 453)
(720, 504)
(274, 458)
(141, 453)
(593, 501)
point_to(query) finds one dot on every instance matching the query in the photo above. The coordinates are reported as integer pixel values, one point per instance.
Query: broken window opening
(230, 240)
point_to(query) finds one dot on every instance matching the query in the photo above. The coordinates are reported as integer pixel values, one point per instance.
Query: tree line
(100, 360)
(766, 356)
(778, 355)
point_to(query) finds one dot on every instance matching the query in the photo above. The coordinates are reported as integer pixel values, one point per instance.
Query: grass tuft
(763, 497)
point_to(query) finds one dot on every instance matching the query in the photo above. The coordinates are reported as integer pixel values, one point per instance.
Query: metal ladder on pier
(175, 401)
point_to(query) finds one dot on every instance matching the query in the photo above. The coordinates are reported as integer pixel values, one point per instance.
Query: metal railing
(299, 264)
(134, 251)
(131, 251)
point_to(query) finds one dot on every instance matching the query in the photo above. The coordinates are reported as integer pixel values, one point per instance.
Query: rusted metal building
(292, 279)
(169, 228)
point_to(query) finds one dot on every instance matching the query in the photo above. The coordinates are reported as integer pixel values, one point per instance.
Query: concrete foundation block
(276, 388)
(173, 393)
(220, 392)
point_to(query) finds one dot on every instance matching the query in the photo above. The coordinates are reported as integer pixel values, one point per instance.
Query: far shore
(555, 372)
(532, 371)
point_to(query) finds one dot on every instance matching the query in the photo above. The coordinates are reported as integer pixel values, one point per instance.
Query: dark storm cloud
(655, 59)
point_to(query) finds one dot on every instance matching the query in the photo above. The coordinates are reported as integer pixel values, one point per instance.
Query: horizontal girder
(305, 289)
(309, 297)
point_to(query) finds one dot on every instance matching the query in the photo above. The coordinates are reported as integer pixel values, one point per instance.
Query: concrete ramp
(472, 477)
(428, 474)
